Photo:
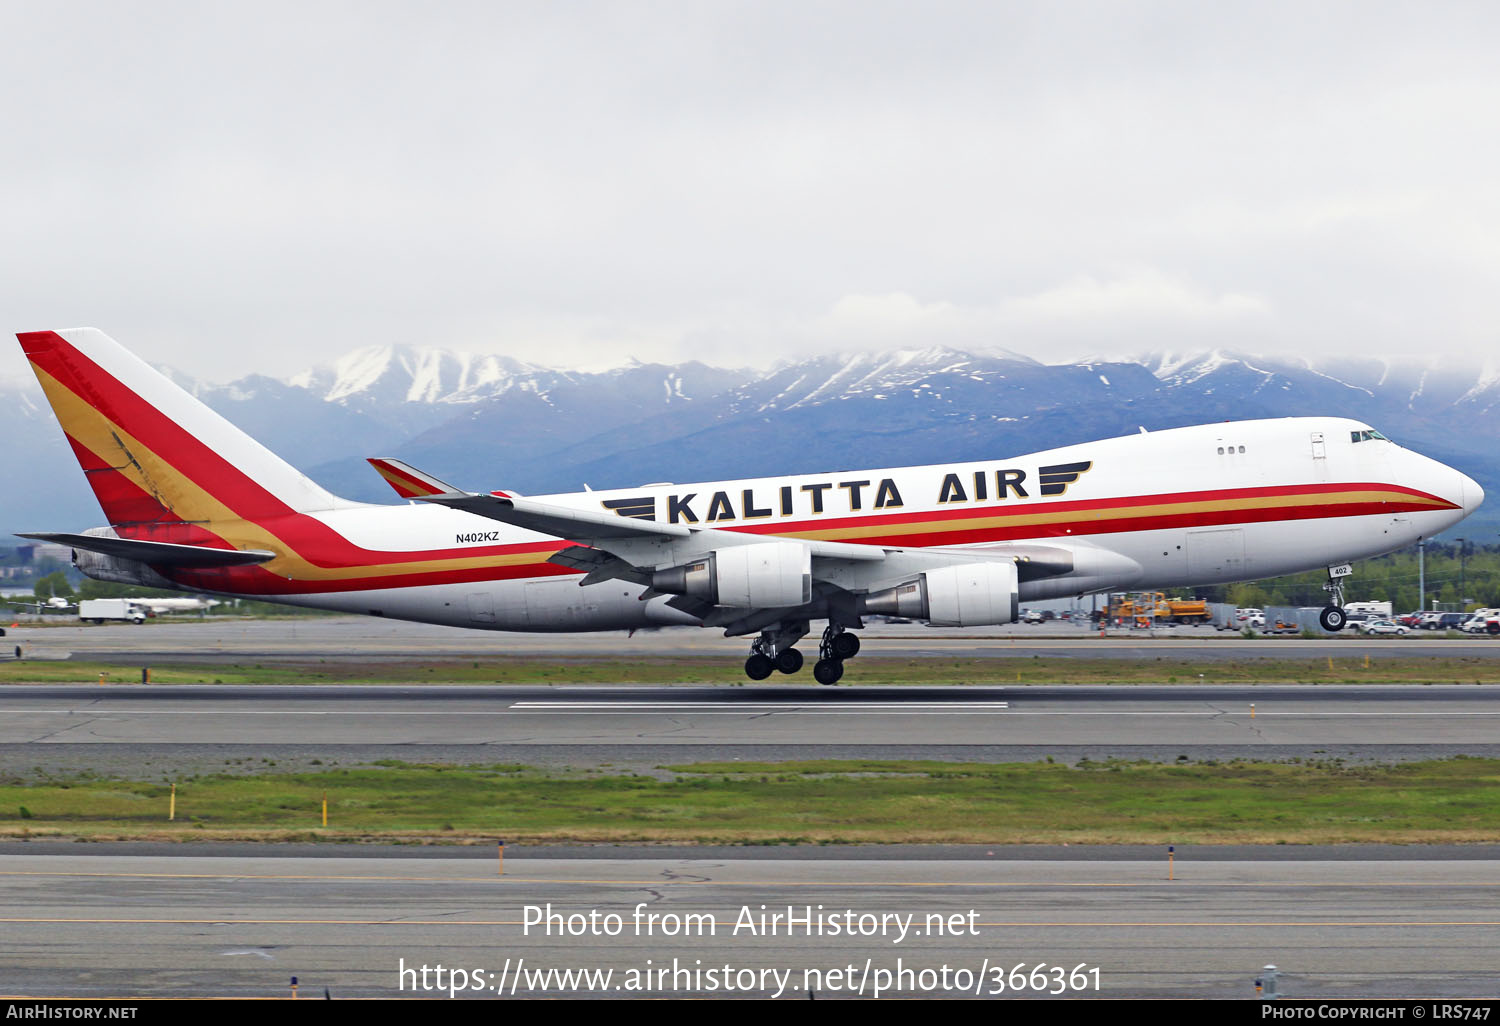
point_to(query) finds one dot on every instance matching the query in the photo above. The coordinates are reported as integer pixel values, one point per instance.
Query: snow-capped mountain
(413, 374)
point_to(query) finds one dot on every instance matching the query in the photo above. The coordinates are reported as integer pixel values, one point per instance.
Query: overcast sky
(236, 187)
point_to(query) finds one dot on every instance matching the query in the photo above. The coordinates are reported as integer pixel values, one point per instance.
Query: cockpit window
(1367, 435)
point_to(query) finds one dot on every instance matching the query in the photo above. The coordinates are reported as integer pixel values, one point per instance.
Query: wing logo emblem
(640, 508)
(1055, 480)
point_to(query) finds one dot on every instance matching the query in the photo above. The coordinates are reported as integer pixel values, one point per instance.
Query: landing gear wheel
(758, 667)
(828, 671)
(1333, 619)
(789, 660)
(846, 645)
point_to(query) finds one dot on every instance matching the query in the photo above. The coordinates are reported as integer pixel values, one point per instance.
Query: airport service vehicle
(1382, 627)
(1259, 622)
(195, 504)
(99, 610)
(1146, 608)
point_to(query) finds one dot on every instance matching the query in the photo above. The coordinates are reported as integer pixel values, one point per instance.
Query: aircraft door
(482, 607)
(560, 604)
(1216, 555)
(1319, 456)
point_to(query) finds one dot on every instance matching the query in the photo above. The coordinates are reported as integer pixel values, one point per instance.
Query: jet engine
(760, 575)
(967, 595)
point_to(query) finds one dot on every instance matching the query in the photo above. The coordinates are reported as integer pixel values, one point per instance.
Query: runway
(227, 639)
(331, 715)
(135, 730)
(128, 926)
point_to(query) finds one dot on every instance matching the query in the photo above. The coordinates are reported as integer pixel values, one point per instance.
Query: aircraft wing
(596, 529)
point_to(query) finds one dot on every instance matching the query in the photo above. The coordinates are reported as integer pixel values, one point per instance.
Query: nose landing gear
(1333, 618)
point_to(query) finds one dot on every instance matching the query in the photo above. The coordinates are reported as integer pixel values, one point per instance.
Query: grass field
(832, 802)
(866, 670)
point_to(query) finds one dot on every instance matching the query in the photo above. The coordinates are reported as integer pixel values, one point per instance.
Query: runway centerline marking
(813, 704)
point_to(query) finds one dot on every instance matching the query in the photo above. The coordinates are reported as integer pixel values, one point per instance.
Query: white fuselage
(1191, 506)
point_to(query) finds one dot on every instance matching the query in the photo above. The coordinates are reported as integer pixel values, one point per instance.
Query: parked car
(1482, 621)
(1032, 616)
(1382, 627)
(1442, 621)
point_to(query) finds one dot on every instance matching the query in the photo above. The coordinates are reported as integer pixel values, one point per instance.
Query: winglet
(409, 482)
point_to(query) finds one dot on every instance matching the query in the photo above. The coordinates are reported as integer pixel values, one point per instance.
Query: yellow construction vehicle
(1142, 609)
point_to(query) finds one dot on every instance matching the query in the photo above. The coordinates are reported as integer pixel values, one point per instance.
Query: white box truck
(99, 610)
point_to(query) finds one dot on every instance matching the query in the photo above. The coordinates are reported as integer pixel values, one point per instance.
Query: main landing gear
(837, 645)
(1333, 618)
(773, 651)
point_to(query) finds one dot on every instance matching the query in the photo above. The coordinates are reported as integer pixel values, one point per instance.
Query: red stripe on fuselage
(257, 580)
(1025, 508)
(1156, 522)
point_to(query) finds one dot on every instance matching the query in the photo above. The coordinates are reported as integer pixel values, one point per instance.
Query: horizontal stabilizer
(157, 553)
(407, 480)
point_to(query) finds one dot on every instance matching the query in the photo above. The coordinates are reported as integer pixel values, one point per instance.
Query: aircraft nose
(1470, 494)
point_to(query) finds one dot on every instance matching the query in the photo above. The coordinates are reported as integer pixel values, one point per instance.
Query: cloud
(232, 187)
(1139, 308)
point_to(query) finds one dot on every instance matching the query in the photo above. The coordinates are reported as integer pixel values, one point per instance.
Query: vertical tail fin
(153, 454)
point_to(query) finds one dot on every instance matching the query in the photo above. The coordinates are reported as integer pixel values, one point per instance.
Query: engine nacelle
(760, 575)
(966, 595)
